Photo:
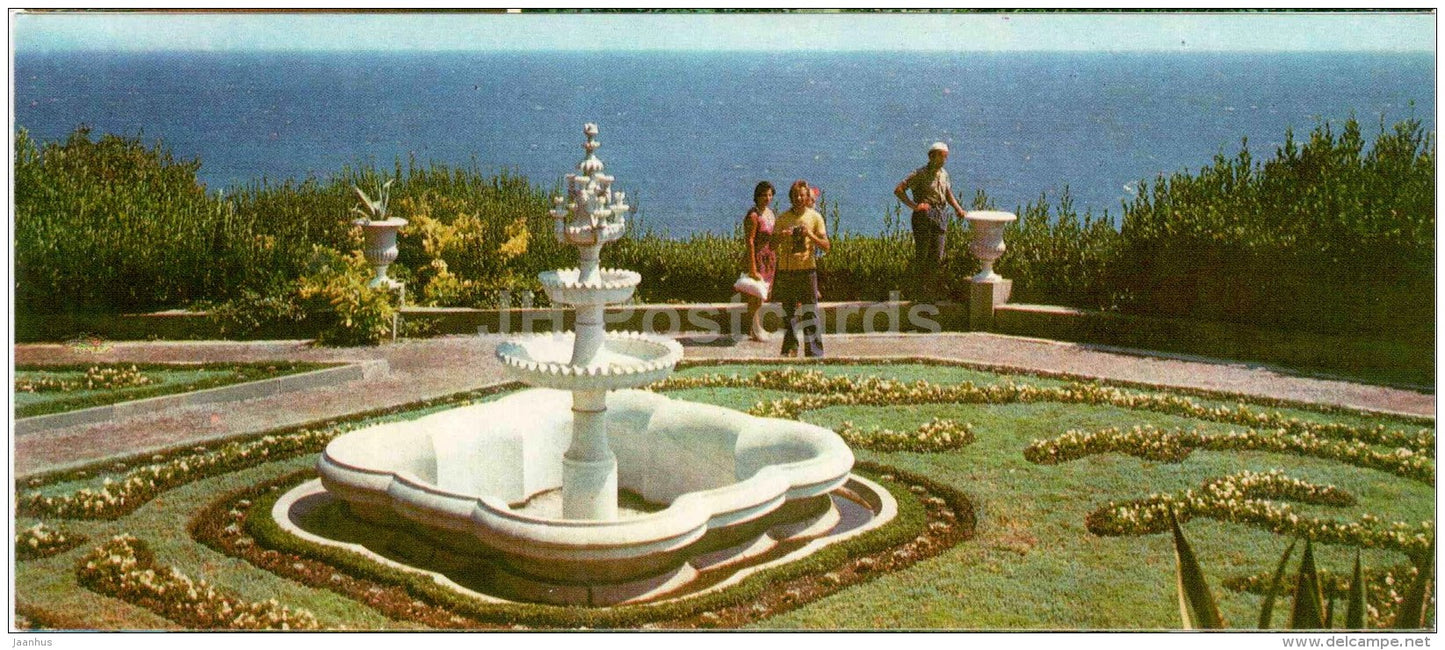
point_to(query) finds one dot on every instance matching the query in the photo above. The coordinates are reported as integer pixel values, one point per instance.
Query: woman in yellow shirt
(797, 234)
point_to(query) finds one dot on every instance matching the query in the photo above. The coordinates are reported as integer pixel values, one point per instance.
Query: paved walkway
(427, 368)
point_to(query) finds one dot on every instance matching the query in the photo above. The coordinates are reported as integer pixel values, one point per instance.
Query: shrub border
(1382, 601)
(42, 619)
(909, 538)
(1004, 369)
(875, 391)
(26, 552)
(1148, 442)
(123, 567)
(69, 405)
(1253, 505)
(787, 379)
(173, 452)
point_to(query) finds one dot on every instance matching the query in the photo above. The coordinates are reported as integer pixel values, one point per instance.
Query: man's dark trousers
(929, 239)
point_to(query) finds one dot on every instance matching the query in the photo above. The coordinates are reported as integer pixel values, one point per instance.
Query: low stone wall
(695, 318)
(1213, 339)
(165, 325)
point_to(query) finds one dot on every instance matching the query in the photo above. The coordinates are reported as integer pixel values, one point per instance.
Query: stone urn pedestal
(987, 289)
(380, 249)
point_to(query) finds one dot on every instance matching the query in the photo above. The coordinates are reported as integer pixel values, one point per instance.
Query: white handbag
(749, 286)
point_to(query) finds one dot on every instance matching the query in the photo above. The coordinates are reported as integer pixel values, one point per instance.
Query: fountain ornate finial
(590, 163)
(591, 214)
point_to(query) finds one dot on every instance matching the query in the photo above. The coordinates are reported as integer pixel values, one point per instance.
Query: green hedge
(114, 226)
(1329, 236)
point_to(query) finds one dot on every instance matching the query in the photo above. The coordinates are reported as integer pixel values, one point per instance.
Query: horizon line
(684, 50)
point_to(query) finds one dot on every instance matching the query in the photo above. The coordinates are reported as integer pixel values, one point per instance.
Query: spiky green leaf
(1414, 610)
(1266, 611)
(1308, 612)
(1329, 598)
(1355, 613)
(1196, 604)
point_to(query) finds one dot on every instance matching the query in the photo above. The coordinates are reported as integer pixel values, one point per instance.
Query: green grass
(1032, 565)
(168, 379)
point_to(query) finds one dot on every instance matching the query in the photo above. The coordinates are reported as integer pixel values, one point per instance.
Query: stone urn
(380, 249)
(987, 241)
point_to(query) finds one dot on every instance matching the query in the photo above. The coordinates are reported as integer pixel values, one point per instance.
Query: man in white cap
(931, 190)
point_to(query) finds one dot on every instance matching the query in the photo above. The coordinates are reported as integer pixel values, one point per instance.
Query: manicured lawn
(1033, 563)
(160, 379)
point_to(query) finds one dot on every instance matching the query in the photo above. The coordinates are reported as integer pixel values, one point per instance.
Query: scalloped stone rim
(611, 279)
(654, 357)
(672, 353)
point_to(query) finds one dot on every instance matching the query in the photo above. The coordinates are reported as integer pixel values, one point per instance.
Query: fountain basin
(728, 485)
(614, 286)
(625, 360)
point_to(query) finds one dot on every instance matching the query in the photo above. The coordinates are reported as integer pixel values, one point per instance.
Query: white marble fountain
(518, 498)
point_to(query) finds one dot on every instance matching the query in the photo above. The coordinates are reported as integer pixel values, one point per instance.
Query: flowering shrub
(124, 568)
(1245, 498)
(43, 541)
(43, 385)
(936, 435)
(116, 498)
(821, 391)
(96, 378)
(1152, 443)
(1382, 589)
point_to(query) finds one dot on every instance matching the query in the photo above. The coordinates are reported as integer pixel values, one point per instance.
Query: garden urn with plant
(380, 233)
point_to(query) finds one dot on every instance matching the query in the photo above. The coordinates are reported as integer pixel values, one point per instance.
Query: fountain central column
(588, 323)
(589, 216)
(589, 468)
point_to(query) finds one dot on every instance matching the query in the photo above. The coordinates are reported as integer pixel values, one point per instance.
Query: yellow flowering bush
(461, 256)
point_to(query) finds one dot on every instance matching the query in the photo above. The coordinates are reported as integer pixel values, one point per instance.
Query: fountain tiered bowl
(584, 490)
(610, 287)
(626, 360)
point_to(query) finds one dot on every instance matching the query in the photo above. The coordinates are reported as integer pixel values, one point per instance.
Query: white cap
(938, 146)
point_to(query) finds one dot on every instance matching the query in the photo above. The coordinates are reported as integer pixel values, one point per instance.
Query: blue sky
(1184, 32)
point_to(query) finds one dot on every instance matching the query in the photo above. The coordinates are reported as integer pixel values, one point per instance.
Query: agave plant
(373, 210)
(1313, 606)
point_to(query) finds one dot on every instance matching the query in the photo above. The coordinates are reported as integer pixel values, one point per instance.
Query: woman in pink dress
(762, 262)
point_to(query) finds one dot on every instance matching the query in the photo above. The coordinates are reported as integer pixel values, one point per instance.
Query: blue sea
(689, 134)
